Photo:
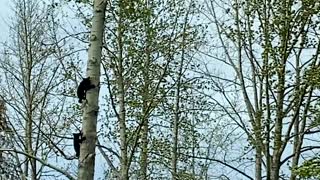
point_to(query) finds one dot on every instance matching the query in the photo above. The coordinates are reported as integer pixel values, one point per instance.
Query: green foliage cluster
(309, 169)
(312, 76)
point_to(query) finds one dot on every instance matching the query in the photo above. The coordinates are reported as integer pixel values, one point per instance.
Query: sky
(4, 17)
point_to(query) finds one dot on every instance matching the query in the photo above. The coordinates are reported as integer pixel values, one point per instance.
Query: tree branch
(42, 162)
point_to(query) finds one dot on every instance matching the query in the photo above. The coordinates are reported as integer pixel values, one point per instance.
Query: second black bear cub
(83, 87)
(77, 140)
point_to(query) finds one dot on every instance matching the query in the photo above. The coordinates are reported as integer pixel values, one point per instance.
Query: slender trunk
(27, 91)
(122, 125)
(296, 148)
(296, 132)
(144, 151)
(124, 169)
(268, 128)
(193, 165)
(258, 146)
(299, 126)
(29, 146)
(298, 140)
(258, 162)
(145, 99)
(145, 119)
(175, 131)
(275, 168)
(277, 152)
(175, 128)
(265, 81)
(30, 119)
(176, 118)
(258, 109)
(91, 108)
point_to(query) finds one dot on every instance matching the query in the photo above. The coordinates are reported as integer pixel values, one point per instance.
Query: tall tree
(176, 108)
(142, 40)
(91, 107)
(32, 91)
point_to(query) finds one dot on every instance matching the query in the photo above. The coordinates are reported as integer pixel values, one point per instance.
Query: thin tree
(32, 80)
(269, 40)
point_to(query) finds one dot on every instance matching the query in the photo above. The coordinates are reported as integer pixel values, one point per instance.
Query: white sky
(5, 10)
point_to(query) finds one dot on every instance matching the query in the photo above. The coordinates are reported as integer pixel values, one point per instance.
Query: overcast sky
(4, 15)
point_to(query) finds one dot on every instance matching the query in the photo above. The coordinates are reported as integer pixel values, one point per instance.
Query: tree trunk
(145, 120)
(175, 131)
(119, 72)
(176, 119)
(145, 99)
(258, 163)
(123, 137)
(28, 94)
(144, 151)
(87, 149)
(296, 132)
(275, 167)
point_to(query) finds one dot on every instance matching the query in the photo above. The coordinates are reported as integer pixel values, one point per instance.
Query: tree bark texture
(91, 108)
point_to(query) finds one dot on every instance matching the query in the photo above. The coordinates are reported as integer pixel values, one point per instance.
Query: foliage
(312, 76)
(309, 169)
(247, 73)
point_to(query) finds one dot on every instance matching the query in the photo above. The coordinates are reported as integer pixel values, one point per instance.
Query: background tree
(8, 165)
(271, 47)
(145, 42)
(33, 92)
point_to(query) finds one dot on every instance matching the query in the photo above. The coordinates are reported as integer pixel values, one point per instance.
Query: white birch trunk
(89, 125)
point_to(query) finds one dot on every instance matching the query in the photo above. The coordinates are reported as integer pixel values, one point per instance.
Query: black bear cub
(77, 140)
(83, 87)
